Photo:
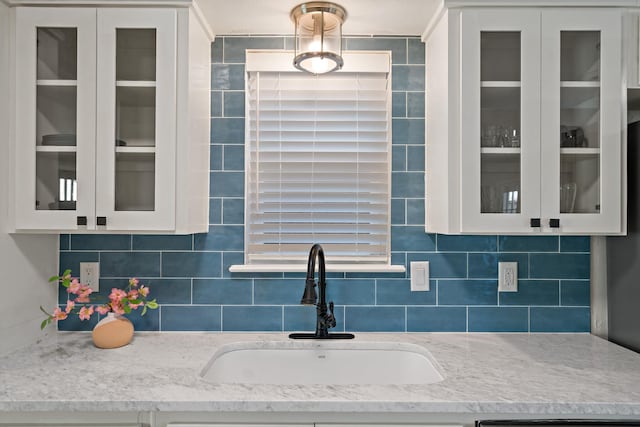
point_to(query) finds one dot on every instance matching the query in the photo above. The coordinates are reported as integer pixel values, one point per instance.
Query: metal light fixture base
(318, 36)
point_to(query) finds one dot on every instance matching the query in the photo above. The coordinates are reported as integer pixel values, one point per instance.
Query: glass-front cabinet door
(136, 127)
(581, 121)
(541, 121)
(500, 119)
(95, 119)
(55, 118)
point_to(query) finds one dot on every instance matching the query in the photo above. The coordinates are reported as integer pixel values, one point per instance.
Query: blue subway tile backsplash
(559, 266)
(191, 318)
(560, 319)
(436, 319)
(467, 292)
(252, 318)
(235, 47)
(375, 319)
(227, 76)
(161, 243)
(575, 292)
(397, 46)
(498, 319)
(97, 242)
(398, 292)
(189, 275)
(129, 264)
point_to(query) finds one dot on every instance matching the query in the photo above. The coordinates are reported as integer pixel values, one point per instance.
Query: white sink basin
(322, 362)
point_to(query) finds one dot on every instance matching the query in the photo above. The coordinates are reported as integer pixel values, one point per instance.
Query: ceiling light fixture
(318, 34)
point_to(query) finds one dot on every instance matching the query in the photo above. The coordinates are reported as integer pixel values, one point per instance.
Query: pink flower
(74, 286)
(133, 282)
(85, 313)
(144, 291)
(70, 305)
(103, 309)
(83, 294)
(117, 308)
(133, 294)
(59, 314)
(135, 306)
(117, 295)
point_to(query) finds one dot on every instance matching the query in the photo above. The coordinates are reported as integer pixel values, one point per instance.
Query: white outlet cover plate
(508, 277)
(90, 274)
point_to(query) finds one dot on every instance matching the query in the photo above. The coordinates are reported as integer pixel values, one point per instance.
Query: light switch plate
(419, 276)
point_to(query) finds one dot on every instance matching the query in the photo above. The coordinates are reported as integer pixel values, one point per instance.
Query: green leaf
(66, 272)
(152, 304)
(144, 310)
(134, 301)
(54, 278)
(127, 309)
(44, 311)
(44, 323)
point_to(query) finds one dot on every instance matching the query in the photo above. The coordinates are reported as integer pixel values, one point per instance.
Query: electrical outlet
(419, 276)
(90, 274)
(508, 276)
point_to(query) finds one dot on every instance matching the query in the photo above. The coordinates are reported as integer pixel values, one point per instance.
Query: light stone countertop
(560, 375)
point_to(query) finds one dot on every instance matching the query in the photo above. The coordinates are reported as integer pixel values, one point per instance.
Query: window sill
(294, 268)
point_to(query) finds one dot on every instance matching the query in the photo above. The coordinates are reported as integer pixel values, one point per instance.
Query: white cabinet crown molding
(450, 4)
(202, 19)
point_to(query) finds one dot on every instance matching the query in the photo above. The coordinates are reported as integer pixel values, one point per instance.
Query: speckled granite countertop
(575, 375)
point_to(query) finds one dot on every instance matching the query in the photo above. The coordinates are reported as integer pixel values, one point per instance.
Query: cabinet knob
(554, 222)
(81, 220)
(101, 220)
(535, 222)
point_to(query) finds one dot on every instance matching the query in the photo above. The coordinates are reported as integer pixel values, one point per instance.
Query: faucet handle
(331, 319)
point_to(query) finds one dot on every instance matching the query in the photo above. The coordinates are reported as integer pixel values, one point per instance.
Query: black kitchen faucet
(325, 317)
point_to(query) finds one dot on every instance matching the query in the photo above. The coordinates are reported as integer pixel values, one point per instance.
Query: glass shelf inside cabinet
(135, 181)
(580, 122)
(135, 144)
(56, 112)
(135, 90)
(579, 183)
(500, 122)
(500, 183)
(56, 185)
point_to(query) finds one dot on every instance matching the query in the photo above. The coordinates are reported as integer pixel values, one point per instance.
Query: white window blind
(318, 167)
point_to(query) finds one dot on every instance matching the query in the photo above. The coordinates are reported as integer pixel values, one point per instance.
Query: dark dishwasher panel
(558, 423)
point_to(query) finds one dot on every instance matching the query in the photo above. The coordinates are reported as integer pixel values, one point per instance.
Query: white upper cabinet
(110, 133)
(531, 133)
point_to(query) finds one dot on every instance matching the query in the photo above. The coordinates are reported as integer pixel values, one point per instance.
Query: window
(318, 164)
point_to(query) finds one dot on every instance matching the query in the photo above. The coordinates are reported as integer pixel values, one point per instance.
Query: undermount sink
(325, 362)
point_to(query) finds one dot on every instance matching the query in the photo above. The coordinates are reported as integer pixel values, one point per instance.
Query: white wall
(26, 261)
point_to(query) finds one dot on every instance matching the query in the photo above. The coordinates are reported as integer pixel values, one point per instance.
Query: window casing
(318, 164)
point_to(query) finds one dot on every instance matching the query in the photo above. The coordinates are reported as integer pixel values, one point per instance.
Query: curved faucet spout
(325, 318)
(309, 296)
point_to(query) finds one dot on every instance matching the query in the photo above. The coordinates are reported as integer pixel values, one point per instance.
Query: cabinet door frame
(28, 19)
(165, 23)
(609, 23)
(527, 22)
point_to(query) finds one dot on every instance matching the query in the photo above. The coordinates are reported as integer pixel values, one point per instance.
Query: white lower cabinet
(111, 120)
(74, 419)
(311, 424)
(303, 420)
(147, 419)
